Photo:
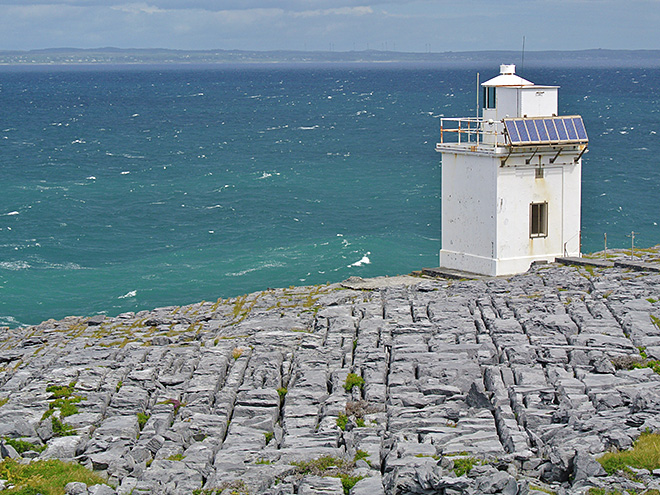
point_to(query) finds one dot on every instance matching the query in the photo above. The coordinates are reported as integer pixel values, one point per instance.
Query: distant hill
(578, 58)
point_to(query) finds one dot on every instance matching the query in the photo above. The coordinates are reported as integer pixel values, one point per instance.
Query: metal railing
(471, 131)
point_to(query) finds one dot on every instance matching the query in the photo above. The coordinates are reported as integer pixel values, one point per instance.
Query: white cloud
(137, 8)
(217, 5)
(346, 11)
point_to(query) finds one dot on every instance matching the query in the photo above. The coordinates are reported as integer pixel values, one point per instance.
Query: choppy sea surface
(127, 188)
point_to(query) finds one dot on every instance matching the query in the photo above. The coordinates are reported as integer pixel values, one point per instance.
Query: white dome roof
(507, 77)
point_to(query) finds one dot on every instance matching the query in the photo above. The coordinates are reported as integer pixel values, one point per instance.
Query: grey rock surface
(483, 386)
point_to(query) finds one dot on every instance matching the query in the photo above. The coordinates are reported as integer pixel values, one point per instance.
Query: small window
(489, 96)
(538, 221)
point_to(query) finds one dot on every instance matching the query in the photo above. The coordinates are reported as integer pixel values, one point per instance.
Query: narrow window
(489, 96)
(538, 221)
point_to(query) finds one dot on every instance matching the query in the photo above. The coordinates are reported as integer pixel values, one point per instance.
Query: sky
(331, 25)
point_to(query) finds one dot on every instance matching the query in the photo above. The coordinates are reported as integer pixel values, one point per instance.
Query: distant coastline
(597, 58)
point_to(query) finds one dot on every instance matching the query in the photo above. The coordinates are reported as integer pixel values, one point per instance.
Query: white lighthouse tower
(511, 180)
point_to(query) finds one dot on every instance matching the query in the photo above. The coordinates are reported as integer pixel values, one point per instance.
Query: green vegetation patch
(353, 380)
(59, 391)
(22, 446)
(348, 482)
(65, 402)
(342, 421)
(645, 454)
(330, 466)
(67, 406)
(46, 477)
(236, 487)
(604, 491)
(360, 454)
(541, 489)
(142, 419)
(648, 363)
(464, 465)
(62, 429)
(355, 411)
(655, 320)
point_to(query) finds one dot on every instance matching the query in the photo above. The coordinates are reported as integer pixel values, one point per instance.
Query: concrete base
(491, 267)
(574, 260)
(441, 272)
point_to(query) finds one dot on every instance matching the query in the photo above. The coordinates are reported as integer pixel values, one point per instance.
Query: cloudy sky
(339, 25)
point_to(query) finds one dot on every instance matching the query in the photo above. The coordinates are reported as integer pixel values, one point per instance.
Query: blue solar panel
(561, 130)
(579, 127)
(540, 127)
(531, 130)
(522, 130)
(570, 128)
(513, 133)
(553, 130)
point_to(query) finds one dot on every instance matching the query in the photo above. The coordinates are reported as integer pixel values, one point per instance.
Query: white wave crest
(254, 269)
(132, 293)
(10, 321)
(364, 261)
(65, 266)
(265, 175)
(15, 265)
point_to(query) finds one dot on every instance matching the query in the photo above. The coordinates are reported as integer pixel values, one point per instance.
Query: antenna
(477, 95)
(522, 62)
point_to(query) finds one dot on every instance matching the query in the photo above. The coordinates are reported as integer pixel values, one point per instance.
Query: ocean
(135, 187)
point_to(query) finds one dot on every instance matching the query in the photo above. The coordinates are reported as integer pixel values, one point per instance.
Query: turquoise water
(128, 188)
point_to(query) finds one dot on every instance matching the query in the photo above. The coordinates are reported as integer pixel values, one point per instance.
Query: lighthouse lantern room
(511, 180)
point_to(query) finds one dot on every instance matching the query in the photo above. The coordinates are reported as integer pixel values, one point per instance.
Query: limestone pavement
(501, 385)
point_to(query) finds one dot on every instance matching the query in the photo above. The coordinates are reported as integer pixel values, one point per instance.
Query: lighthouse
(511, 180)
